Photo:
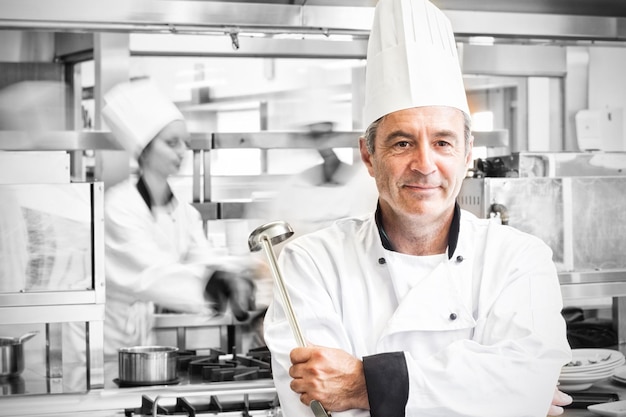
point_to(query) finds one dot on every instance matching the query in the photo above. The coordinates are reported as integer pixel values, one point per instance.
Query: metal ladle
(263, 237)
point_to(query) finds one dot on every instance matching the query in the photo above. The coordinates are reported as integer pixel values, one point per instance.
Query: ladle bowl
(276, 231)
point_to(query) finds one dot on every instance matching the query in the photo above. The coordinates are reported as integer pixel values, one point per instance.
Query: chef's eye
(442, 143)
(402, 144)
(175, 143)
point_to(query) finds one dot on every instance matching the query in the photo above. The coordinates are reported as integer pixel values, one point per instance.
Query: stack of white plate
(619, 375)
(589, 366)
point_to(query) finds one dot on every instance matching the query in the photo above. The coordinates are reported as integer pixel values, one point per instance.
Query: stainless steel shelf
(52, 314)
(56, 140)
(274, 140)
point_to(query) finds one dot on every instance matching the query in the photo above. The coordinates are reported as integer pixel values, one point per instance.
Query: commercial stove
(220, 385)
(209, 383)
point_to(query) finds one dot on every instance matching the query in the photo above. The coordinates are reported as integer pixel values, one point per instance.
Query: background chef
(155, 248)
(420, 309)
(330, 189)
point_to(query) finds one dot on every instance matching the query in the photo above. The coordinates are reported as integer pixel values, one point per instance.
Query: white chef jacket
(480, 335)
(152, 256)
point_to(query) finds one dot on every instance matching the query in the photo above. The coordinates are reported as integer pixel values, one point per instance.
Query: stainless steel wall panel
(167, 14)
(515, 60)
(581, 218)
(29, 167)
(534, 206)
(599, 234)
(351, 18)
(532, 25)
(50, 230)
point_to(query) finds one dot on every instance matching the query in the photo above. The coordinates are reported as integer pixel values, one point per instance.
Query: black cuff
(387, 381)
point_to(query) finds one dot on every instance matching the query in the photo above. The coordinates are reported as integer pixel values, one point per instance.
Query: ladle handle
(282, 289)
(316, 406)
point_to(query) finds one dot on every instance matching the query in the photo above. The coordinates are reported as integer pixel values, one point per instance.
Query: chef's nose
(423, 160)
(181, 147)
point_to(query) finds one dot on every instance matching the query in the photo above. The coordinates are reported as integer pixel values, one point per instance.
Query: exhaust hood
(595, 20)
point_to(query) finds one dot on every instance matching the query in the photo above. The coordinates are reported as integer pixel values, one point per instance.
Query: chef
(155, 248)
(420, 308)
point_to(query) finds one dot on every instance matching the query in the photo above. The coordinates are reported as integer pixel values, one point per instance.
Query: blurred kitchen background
(546, 91)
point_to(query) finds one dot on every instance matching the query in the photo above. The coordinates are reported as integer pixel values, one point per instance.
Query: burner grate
(184, 407)
(219, 367)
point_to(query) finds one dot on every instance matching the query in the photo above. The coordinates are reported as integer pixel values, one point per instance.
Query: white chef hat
(412, 60)
(136, 112)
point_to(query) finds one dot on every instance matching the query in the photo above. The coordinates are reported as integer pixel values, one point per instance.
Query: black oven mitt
(226, 287)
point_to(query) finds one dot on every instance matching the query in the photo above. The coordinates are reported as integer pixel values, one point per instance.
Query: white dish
(610, 409)
(597, 369)
(620, 372)
(587, 359)
(585, 376)
(582, 380)
(574, 387)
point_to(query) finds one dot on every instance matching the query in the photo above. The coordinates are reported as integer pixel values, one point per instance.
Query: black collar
(145, 193)
(453, 236)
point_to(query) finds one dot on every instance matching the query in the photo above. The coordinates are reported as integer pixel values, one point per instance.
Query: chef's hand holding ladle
(263, 237)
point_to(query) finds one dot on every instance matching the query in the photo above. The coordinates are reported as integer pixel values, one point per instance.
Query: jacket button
(452, 316)
(382, 261)
(459, 258)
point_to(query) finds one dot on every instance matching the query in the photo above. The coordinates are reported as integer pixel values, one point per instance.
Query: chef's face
(166, 151)
(419, 161)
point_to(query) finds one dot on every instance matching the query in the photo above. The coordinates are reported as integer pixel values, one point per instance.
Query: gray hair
(372, 129)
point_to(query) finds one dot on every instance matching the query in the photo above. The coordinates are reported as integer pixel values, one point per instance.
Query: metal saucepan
(147, 365)
(12, 355)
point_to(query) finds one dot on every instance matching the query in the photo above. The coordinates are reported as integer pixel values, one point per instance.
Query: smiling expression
(419, 161)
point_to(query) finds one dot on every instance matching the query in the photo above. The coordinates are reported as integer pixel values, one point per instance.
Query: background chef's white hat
(412, 60)
(136, 112)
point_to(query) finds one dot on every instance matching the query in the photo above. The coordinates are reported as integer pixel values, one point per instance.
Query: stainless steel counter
(112, 400)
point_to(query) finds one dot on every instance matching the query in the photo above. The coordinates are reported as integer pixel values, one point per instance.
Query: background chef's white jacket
(151, 257)
(308, 202)
(501, 355)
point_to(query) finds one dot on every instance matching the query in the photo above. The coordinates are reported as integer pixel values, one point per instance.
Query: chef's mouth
(424, 187)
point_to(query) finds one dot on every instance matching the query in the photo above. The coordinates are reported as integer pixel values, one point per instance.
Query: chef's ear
(469, 151)
(366, 157)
